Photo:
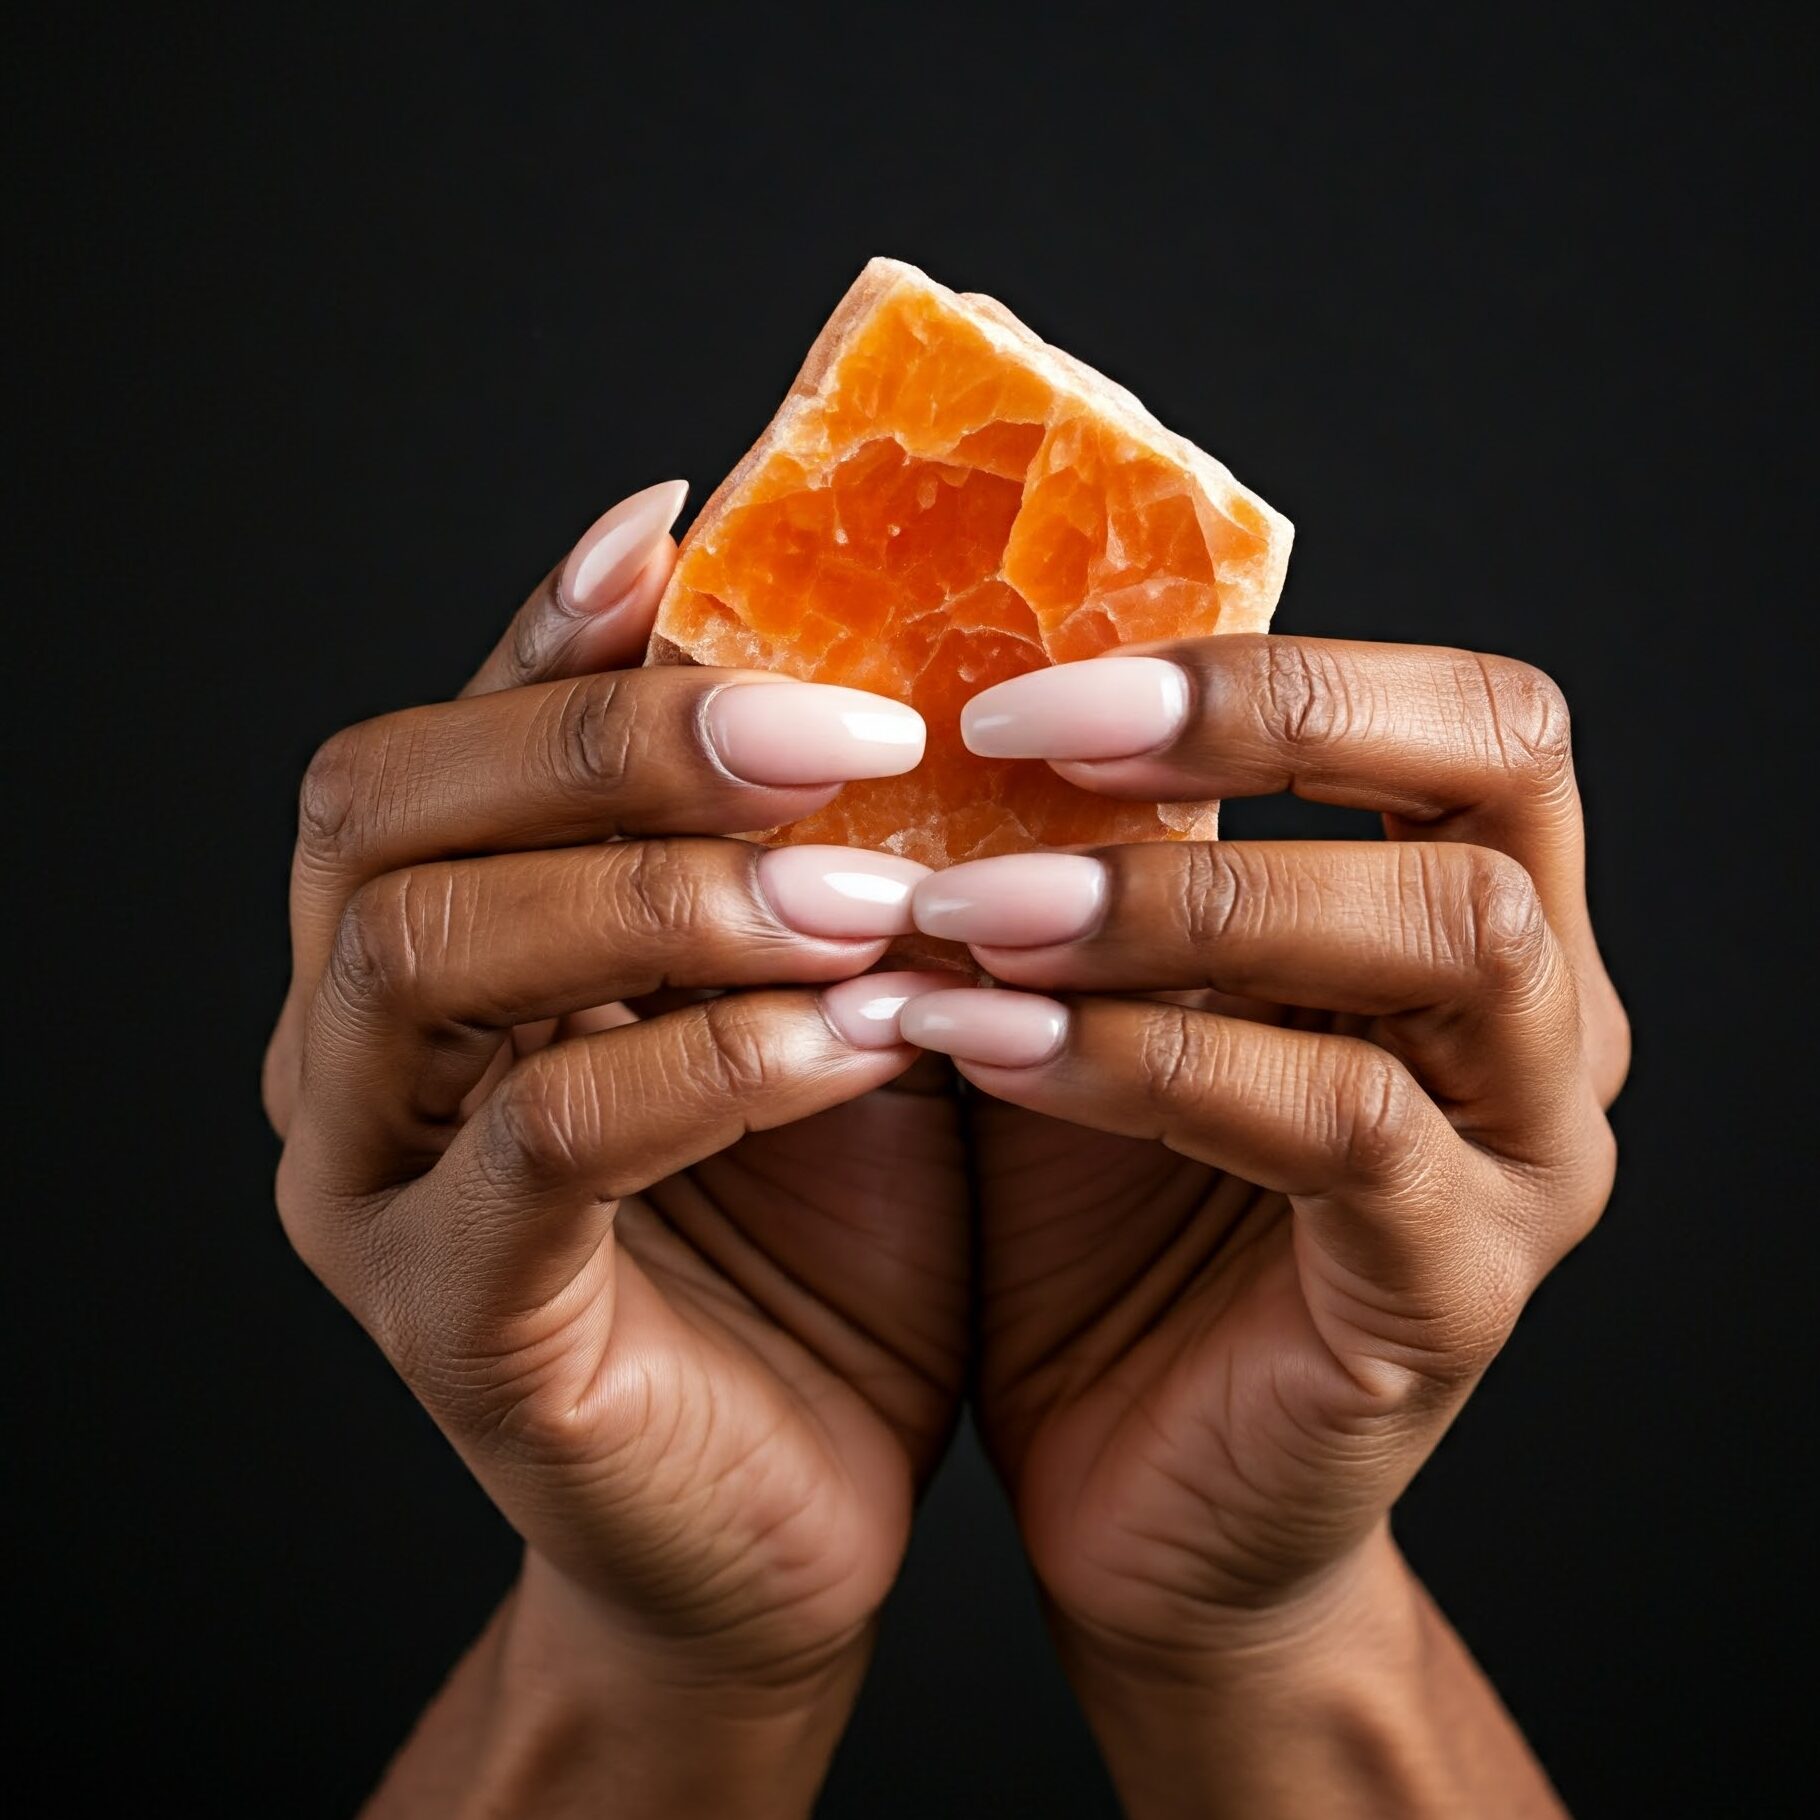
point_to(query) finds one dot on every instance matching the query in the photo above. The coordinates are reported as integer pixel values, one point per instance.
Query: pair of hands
(697, 1285)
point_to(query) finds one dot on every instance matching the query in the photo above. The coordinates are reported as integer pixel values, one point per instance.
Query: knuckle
(1222, 892)
(1174, 1054)
(593, 733)
(541, 1125)
(735, 1053)
(325, 801)
(1377, 1115)
(1302, 696)
(375, 957)
(1530, 720)
(1505, 936)
(655, 890)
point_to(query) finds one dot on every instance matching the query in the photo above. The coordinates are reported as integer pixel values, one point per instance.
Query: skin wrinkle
(934, 1345)
(1224, 1250)
(1134, 1313)
(1204, 1398)
(759, 1279)
(718, 1276)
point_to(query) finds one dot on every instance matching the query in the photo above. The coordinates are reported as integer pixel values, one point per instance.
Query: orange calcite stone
(944, 501)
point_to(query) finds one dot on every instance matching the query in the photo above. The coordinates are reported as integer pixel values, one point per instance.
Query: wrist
(561, 1709)
(1352, 1697)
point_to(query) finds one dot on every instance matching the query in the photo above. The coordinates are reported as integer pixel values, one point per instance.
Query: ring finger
(431, 965)
(1445, 947)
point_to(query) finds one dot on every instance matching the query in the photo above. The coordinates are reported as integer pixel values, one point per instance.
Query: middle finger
(432, 965)
(1445, 946)
(631, 752)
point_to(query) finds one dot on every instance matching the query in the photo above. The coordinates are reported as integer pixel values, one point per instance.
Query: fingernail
(864, 1012)
(812, 733)
(986, 1024)
(1106, 707)
(617, 545)
(1020, 900)
(841, 893)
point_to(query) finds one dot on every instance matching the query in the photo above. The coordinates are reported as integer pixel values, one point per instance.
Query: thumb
(593, 611)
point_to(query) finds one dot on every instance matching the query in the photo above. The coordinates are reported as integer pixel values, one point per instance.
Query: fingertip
(611, 554)
(866, 1013)
(1014, 900)
(987, 1024)
(781, 732)
(613, 579)
(1097, 708)
(616, 637)
(595, 610)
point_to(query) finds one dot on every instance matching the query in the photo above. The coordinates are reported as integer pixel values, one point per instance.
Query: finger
(631, 752)
(1409, 1213)
(525, 1195)
(594, 610)
(1333, 1121)
(670, 750)
(1446, 947)
(1447, 745)
(431, 966)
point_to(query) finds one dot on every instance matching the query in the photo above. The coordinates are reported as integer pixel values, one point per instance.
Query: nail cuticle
(790, 735)
(837, 894)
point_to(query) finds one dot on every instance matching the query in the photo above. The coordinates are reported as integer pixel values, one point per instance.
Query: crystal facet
(943, 502)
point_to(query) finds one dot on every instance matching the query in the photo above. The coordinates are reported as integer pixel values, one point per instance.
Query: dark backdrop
(339, 332)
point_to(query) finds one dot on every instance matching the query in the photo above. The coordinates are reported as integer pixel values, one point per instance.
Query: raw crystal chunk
(944, 501)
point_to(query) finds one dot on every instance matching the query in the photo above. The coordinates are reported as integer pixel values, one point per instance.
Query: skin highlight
(685, 1262)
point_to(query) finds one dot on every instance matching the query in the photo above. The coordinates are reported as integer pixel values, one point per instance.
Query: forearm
(551, 1715)
(1366, 1703)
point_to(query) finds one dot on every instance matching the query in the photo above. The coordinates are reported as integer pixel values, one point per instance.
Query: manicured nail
(840, 893)
(1020, 900)
(617, 545)
(1106, 707)
(864, 1012)
(987, 1024)
(783, 733)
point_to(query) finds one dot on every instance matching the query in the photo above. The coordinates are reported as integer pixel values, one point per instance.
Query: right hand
(685, 1289)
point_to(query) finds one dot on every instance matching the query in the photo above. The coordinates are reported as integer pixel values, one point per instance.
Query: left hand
(1222, 1329)
(684, 1283)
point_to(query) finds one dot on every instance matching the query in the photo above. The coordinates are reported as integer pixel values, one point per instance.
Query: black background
(340, 333)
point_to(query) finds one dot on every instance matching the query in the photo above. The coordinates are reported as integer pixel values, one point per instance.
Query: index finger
(1447, 745)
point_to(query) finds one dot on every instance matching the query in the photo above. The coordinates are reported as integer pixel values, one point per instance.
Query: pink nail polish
(1105, 707)
(783, 733)
(987, 1024)
(1019, 900)
(617, 545)
(864, 1012)
(839, 893)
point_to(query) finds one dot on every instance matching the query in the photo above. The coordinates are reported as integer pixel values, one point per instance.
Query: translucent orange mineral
(944, 501)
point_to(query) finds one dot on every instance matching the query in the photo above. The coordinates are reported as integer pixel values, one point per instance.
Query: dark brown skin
(702, 1372)
(1219, 1341)
(689, 1290)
